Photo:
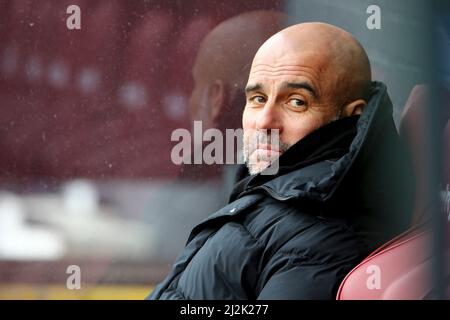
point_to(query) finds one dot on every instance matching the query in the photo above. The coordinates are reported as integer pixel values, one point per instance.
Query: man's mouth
(267, 150)
(267, 147)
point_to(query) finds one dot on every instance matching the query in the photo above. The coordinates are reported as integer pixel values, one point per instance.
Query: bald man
(341, 188)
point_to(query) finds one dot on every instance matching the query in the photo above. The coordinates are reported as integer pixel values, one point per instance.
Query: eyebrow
(301, 85)
(288, 85)
(253, 87)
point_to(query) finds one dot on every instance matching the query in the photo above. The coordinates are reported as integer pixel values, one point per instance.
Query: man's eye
(258, 99)
(296, 103)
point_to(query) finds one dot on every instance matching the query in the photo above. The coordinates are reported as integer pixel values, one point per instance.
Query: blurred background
(86, 118)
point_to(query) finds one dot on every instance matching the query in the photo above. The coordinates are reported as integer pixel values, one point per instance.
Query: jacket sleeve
(297, 277)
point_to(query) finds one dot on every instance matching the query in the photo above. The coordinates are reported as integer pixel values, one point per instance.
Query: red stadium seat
(399, 270)
(402, 268)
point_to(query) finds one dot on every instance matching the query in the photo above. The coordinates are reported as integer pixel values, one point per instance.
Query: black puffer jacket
(340, 192)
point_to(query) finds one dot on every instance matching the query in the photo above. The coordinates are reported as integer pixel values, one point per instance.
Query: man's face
(288, 91)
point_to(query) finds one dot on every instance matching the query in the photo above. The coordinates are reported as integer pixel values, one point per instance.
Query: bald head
(301, 79)
(334, 55)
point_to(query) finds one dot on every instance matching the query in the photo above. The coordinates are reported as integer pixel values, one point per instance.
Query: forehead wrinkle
(276, 65)
(277, 73)
(269, 70)
(309, 74)
(282, 67)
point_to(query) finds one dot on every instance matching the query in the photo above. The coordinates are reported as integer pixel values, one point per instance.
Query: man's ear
(217, 98)
(353, 108)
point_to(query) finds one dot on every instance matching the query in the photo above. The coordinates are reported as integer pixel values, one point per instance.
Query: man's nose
(269, 117)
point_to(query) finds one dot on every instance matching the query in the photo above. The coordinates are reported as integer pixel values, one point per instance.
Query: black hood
(354, 165)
